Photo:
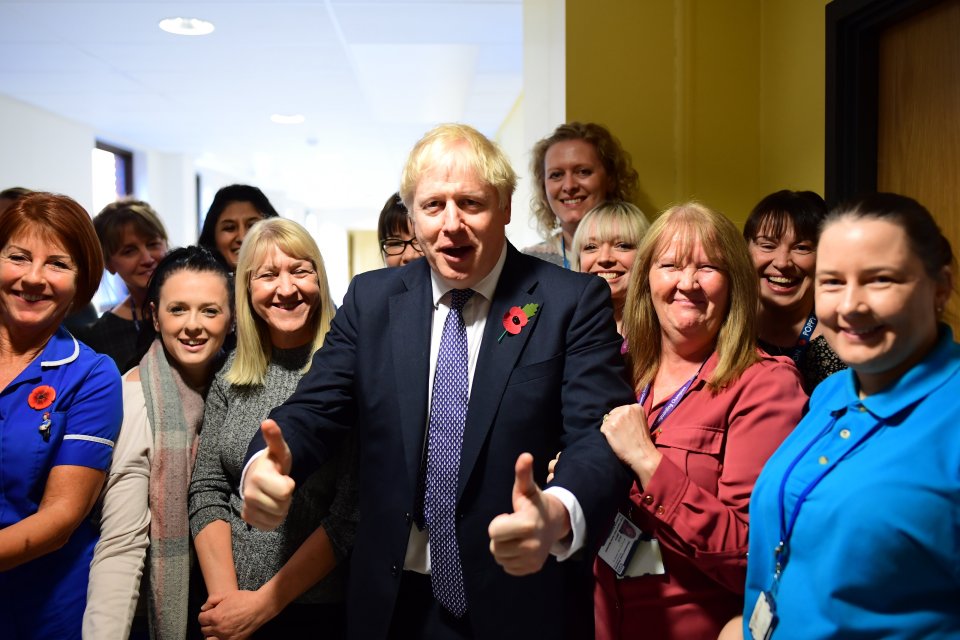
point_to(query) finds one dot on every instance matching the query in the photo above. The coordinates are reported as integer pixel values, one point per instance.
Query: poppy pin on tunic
(41, 397)
(517, 318)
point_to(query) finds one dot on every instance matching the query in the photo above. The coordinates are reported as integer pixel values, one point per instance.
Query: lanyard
(563, 251)
(133, 312)
(782, 551)
(675, 399)
(803, 340)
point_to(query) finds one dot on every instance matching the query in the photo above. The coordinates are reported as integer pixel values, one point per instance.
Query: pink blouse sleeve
(741, 426)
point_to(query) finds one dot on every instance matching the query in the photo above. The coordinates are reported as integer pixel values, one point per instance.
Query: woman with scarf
(144, 503)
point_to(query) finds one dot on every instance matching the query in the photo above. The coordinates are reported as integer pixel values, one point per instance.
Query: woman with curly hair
(575, 168)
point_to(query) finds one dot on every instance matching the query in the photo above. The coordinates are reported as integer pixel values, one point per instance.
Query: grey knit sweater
(329, 497)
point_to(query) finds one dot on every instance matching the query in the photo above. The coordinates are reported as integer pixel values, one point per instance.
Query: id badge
(763, 620)
(646, 559)
(620, 544)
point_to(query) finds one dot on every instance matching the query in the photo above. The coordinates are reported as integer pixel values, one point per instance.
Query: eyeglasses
(396, 246)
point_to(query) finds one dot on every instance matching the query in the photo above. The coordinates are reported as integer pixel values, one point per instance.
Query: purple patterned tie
(448, 414)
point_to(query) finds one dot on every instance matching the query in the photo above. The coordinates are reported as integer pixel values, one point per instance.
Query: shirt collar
(940, 365)
(61, 349)
(441, 286)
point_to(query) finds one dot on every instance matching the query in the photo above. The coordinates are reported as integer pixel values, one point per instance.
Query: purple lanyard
(675, 399)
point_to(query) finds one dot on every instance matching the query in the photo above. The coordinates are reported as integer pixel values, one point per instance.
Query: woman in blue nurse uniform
(60, 411)
(855, 520)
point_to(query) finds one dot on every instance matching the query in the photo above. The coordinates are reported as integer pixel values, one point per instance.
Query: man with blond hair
(464, 374)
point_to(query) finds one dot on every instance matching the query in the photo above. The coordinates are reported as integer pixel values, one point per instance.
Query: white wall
(45, 152)
(168, 182)
(541, 107)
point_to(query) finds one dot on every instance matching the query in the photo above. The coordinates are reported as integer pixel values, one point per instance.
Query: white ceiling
(370, 78)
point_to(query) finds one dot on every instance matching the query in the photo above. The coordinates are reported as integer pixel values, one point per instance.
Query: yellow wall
(718, 101)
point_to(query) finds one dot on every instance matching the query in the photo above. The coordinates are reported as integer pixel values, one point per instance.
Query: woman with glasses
(397, 243)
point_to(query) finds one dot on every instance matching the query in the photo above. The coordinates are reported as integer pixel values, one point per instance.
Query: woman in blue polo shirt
(60, 411)
(855, 520)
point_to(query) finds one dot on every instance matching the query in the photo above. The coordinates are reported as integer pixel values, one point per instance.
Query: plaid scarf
(175, 412)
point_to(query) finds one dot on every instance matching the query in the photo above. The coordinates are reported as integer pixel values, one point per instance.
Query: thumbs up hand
(521, 541)
(267, 489)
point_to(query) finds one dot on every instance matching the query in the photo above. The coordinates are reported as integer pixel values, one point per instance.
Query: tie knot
(459, 297)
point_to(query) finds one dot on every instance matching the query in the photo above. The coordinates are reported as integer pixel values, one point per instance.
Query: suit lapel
(409, 326)
(496, 360)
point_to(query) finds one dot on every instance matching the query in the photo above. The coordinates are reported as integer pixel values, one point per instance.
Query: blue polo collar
(940, 365)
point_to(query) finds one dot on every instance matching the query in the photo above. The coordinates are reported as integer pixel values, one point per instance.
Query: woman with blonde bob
(270, 584)
(710, 409)
(605, 245)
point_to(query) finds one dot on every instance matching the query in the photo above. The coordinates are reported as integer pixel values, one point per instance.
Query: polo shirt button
(844, 433)
(660, 510)
(823, 460)
(861, 408)
(648, 499)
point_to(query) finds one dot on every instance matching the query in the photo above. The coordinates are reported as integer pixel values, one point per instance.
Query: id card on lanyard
(629, 551)
(764, 619)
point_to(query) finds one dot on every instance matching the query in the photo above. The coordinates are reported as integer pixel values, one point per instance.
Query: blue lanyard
(675, 399)
(803, 341)
(781, 552)
(563, 251)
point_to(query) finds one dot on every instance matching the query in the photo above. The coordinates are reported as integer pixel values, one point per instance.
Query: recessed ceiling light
(186, 26)
(296, 118)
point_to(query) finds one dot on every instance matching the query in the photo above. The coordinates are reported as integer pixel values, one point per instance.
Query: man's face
(458, 220)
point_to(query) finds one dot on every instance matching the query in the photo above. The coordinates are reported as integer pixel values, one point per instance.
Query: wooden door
(918, 132)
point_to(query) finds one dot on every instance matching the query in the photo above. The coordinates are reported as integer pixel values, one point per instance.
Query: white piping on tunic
(80, 436)
(67, 360)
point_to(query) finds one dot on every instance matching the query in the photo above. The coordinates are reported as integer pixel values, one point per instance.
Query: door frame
(853, 29)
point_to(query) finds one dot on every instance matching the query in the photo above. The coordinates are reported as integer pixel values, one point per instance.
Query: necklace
(133, 312)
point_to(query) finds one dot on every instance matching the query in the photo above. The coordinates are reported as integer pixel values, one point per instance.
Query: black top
(817, 361)
(113, 336)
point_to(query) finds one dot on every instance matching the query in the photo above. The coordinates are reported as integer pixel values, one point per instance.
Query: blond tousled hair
(736, 342)
(253, 335)
(483, 156)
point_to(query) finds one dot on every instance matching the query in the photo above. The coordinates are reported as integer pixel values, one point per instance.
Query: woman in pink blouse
(711, 409)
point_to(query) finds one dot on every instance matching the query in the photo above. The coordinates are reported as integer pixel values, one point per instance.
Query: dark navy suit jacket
(541, 391)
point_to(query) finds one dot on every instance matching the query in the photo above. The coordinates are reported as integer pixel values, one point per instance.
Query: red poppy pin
(41, 397)
(517, 318)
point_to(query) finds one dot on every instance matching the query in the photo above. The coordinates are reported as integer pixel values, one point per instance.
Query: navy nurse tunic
(45, 598)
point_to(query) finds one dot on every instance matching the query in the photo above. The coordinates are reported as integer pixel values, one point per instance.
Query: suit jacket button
(407, 518)
(394, 571)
